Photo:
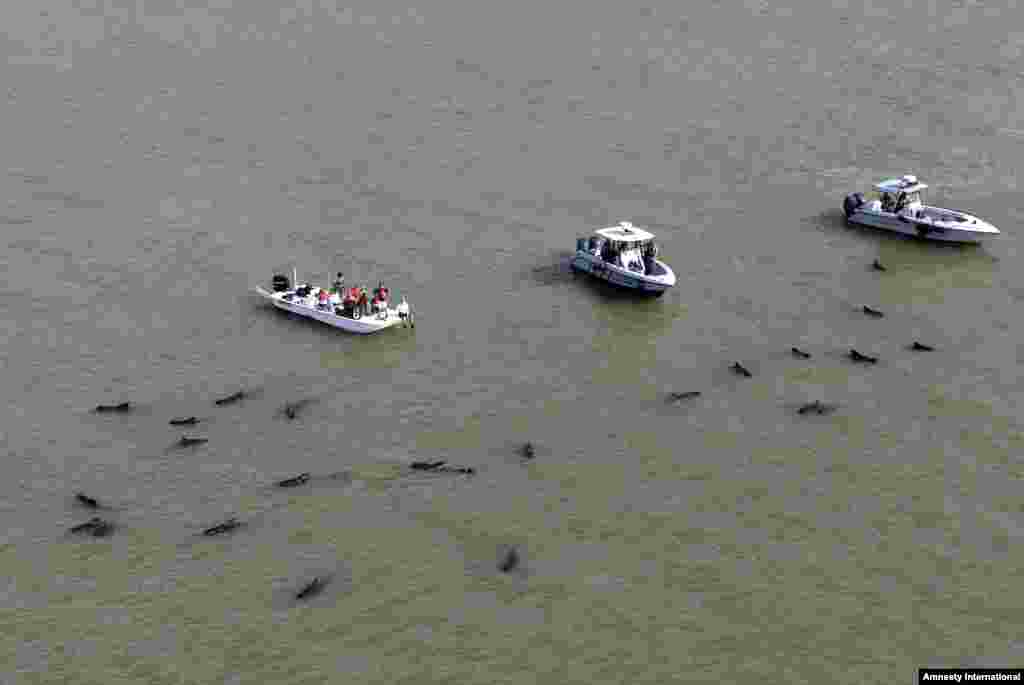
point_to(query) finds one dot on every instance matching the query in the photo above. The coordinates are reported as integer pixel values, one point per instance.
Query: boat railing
(967, 215)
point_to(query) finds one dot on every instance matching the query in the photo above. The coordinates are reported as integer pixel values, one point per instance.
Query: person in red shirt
(380, 296)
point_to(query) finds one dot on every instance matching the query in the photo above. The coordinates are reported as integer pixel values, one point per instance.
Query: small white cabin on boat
(626, 246)
(897, 194)
(625, 232)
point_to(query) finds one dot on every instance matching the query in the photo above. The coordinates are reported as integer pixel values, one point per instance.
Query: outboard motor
(852, 203)
(281, 283)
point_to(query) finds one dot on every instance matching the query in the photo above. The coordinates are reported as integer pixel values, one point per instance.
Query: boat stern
(668, 278)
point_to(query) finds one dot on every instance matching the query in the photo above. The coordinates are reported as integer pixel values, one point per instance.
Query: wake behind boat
(895, 205)
(625, 257)
(349, 309)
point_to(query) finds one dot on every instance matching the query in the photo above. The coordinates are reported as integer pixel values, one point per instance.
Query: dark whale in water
(872, 312)
(858, 357)
(877, 266)
(918, 347)
(527, 451)
(800, 354)
(187, 441)
(741, 370)
(468, 470)
(87, 501)
(294, 481)
(109, 408)
(312, 588)
(441, 467)
(97, 526)
(427, 465)
(816, 407)
(292, 409)
(190, 421)
(509, 560)
(230, 398)
(221, 528)
(680, 396)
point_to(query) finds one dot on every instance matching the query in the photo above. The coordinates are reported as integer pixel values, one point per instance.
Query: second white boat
(895, 205)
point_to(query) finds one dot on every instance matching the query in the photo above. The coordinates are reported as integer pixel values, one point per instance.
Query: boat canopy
(907, 184)
(624, 232)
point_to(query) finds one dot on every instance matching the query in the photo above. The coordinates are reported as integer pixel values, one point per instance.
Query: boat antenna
(295, 278)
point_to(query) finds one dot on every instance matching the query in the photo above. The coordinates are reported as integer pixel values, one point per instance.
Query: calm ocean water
(162, 158)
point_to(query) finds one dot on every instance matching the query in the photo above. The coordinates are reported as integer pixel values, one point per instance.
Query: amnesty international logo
(970, 675)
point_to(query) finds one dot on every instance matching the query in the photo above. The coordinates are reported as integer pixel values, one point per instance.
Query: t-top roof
(624, 232)
(907, 184)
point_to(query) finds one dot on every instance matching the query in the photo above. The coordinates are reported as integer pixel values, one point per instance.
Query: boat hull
(370, 323)
(587, 263)
(926, 229)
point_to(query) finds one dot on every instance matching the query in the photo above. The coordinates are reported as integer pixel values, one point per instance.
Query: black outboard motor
(852, 203)
(281, 283)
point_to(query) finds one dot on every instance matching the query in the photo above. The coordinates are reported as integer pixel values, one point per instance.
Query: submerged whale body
(427, 465)
(295, 481)
(234, 397)
(112, 408)
(679, 396)
(741, 370)
(97, 526)
(90, 502)
(816, 407)
(311, 588)
(441, 467)
(509, 560)
(863, 358)
(221, 528)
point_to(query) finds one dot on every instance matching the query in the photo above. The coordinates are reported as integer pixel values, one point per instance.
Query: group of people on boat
(893, 204)
(354, 301)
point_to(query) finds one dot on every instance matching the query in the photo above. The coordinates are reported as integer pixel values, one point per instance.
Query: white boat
(896, 205)
(336, 307)
(626, 257)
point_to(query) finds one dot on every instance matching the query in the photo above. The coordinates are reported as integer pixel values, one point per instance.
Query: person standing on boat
(339, 283)
(364, 301)
(380, 296)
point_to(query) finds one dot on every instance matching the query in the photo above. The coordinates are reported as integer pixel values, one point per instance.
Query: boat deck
(939, 214)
